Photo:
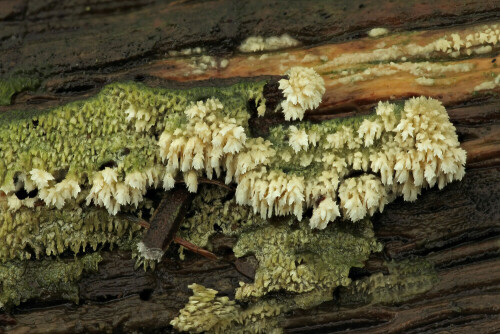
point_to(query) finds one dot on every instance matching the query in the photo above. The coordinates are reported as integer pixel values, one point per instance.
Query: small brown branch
(167, 218)
(195, 249)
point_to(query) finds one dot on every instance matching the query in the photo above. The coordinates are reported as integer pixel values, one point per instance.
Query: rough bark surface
(78, 46)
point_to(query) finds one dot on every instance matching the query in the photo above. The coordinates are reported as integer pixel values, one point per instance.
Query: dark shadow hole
(74, 89)
(109, 164)
(139, 78)
(23, 194)
(125, 151)
(60, 174)
(308, 213)
(358, 273)
(104, 298)
(30, 250)
(146, 294)
(464, 136)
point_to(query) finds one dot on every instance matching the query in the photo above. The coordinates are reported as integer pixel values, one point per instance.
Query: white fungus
(303, 90)
(258, 43)
(377, 32)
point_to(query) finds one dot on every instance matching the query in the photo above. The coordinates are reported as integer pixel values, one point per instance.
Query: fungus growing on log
(402, 148)
(90, 160)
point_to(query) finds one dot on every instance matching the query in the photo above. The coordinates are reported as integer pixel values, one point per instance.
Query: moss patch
(406, 279)
(23, 280)
(13, 85)
(297, 259)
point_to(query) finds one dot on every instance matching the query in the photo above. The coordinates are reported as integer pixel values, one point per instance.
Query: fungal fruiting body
(82, 163)
(377, 32)
(210, 314)
(303, 90)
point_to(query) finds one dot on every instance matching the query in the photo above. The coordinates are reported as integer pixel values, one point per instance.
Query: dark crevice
(60, 174)
(34, 304)
(452, 242)
(356, 273)
(108, 164)
(139, 78)
(471, 259)
(146, 294)
(23, 194)
(74, 89)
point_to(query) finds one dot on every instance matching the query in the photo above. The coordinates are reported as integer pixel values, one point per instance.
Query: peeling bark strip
(166, 221)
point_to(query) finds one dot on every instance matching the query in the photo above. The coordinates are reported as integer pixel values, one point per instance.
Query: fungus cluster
(110, 193)
(211, 143)
(480, 41)
(377, 32)
(399, 150)
(296, 259)
(303, 90)
(206, 312)
(83, 163)
(210, 314)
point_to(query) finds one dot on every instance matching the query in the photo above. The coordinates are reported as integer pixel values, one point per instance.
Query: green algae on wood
(291, 256)
(406, 279)
(298, 259)
(83, 135)
(121, 138)
(207, 313)
(48, 231)
(13, 85)
(26, 280)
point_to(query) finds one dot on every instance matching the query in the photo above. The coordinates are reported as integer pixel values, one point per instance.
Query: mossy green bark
(82, 136)
(405, 280)
(13, 85)
(77, 140)
(28, 280)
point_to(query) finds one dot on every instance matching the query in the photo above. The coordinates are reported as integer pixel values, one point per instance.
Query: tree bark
(74, 48)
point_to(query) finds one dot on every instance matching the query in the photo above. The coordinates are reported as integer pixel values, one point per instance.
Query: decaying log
(75, 48)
